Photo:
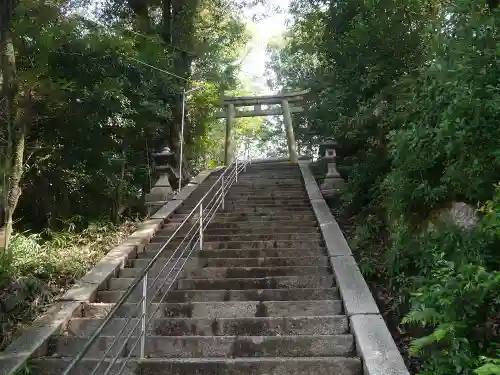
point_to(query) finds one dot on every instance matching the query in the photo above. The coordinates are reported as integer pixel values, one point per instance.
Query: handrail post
(236, 177)
(201, 226)
(144, 313)
(223, 193)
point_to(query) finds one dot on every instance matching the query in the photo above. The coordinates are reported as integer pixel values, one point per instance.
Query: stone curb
(34, 339)
(374, 342)
(355, 292)
(335, 241)
(377, 348)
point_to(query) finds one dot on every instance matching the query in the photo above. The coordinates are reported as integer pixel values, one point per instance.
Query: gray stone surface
(353, 288)
(225, 309)
(186, 191)
(110, 264)
(167, 210)
(214, 366)
(464, 215)
(160, 204)
(461, 214)
(33, 341)
(159, 193)
(147, 230)
(322, 211)
(221, 346)
(202, 176)
(163, 181)
(81, 291)
(286, 282)
(254, 326)
(333, 181)
(300, 294)
(376, 347)
(335, 242)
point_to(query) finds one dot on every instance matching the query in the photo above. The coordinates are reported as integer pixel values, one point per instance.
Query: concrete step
(271, 282)
(237, 202)
(265, 180)
(276, 282)
(211, 230)
(250, 326)
(283, 252)
(263, 207)
(302, 244)
(214, 346)
(195, 272)
(267, 172)
(250, 194)
(301, 294)
(219, 273)
(206, 366)
(248, 225)
(253, 209)
(271, 174)
(289, 236)
(320, 261)
(246, 262)
(266, 200)
(231, 217)
(220, 245)
(268, 180)
(256, 189)
(226, 309)
(262, 230)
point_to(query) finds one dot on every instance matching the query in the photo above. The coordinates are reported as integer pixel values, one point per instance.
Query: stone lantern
(333, 182)
(162, 191)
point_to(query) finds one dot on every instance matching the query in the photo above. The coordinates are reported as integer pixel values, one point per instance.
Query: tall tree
(14, 121)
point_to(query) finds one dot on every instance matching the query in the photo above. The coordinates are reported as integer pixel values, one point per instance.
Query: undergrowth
(441, 287)
(37, 268)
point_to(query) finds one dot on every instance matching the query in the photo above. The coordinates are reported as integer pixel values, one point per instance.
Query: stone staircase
(259, 299)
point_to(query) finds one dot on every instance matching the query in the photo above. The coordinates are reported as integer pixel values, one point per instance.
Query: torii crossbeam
(231, 112)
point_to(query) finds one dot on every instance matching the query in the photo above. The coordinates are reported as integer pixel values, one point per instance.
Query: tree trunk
(178, 18)
(181, 31)
(14, 152)
(167, 21)
(141, 13)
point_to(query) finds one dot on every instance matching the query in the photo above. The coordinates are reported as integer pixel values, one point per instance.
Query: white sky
(263, 31)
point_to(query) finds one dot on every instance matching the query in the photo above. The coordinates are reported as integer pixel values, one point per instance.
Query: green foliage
(98, 113)
(457, 289)
(491, 366)
(37, 268)
(410, 91)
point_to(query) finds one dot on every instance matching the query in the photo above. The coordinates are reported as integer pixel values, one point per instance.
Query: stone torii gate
(231, 112)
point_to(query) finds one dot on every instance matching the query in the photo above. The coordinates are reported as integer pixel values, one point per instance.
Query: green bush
(455, 291)
(418, 126)
(38, 267)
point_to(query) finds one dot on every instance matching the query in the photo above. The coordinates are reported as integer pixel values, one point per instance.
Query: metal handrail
(195, 233)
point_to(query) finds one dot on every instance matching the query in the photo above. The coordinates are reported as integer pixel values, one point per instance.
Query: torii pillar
(228, 149)
(283, 99)
(290, 137)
